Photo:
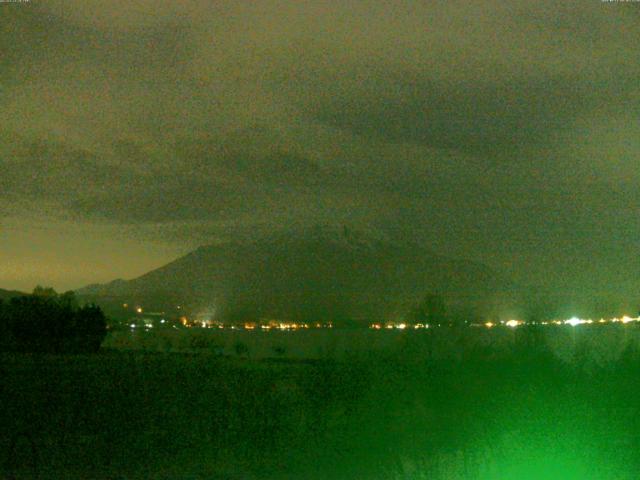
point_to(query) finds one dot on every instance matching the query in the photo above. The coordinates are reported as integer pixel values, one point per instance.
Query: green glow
(540, 467)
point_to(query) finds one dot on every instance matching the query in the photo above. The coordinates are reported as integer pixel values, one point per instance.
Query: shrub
(279, 350)
(48, 322)
(241, 349)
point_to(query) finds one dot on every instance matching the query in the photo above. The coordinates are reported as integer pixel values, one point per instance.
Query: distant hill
(313, 273)
(7, 294)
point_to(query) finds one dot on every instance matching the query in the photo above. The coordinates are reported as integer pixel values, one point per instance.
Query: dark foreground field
(519, 415)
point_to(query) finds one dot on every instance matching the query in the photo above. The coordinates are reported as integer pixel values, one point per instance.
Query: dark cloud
(470, 115)
(501, 131)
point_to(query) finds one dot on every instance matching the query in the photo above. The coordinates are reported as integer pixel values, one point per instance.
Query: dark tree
(38, 323)
(45, 292)
(4, 327)
(90, 328)
(48, 322)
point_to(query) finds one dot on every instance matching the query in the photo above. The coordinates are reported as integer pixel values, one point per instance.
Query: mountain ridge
(311, 273)
(8, 294)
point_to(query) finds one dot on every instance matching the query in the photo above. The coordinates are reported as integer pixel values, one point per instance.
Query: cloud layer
(504, 131)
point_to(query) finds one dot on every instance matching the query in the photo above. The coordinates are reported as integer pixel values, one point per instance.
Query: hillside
(315, 273)
(7, 294)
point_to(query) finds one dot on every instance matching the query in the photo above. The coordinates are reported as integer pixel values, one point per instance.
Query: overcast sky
(134, 130)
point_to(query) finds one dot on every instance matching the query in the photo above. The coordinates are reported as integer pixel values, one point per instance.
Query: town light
(574, 321)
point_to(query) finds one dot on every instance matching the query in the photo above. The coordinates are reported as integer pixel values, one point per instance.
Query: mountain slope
(7, 294)
(315, 273)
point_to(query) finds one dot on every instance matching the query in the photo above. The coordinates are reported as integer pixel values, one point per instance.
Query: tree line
(48, 322)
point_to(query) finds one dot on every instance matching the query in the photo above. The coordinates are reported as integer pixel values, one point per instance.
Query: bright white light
(402, 326)
(489, 324)
(574, 321)
(513, 323)
(139, 309)
(133, 325)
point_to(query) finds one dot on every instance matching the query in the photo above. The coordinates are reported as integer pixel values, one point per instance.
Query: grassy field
(492, 414)
(598, 345)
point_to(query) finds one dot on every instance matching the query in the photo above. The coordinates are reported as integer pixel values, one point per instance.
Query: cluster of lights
(254, 325)
(397, 326)
(286, 326)
(513, 323)
(126, 305)
(573, 322)
(147, 324)
(626, 319)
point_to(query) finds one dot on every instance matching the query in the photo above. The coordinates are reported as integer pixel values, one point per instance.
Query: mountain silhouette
(314, 273)
(8, 294)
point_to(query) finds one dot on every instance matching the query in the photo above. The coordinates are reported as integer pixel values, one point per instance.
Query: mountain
(7, 294)
(312, 273)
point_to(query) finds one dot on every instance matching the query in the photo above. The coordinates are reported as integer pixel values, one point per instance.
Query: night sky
(133, 131)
